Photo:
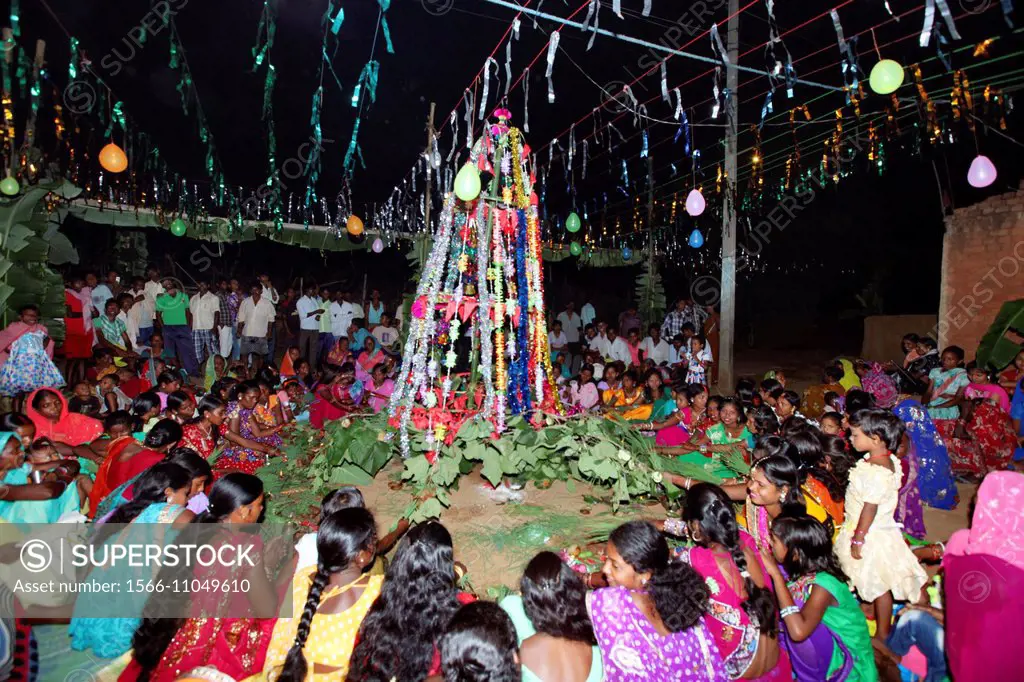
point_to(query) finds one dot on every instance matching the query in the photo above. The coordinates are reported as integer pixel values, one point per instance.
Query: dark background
(871, 244)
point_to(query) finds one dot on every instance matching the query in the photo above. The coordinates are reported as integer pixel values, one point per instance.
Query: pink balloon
(377, 245)
(695, 203)
(982, 173)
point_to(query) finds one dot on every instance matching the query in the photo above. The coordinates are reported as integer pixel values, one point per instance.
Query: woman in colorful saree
(934, 475)
(25, 501)
(160, 495)
(986, 564)
(825, 631)
(249, 444)
(235, 645)
(741, 615)
(729, 434)
(945, 393)
(649, 622)
(337, 395)
(986, 416)
(48, 410)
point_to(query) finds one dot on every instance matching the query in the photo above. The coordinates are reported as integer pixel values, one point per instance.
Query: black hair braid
(295, 665)
(708, 505)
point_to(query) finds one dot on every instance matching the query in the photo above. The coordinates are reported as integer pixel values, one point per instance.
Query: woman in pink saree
(984, 584)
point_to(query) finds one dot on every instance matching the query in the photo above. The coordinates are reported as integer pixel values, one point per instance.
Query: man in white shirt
(205, 309)
(309, 308)
(587, 314)
(557, 341)
(572, 326)
(269, 292)
(600, 342)
(656, 348)
(101, 293)
(678, 351)
(129, 314)
(141, 310)
(254, 318)
(386, 334)
(618, 349)
(343, 311)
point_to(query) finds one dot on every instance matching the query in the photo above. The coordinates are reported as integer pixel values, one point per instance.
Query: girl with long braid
(742, 614)
(330, 601)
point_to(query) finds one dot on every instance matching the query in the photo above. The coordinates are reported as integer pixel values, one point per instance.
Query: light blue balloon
(627, 253)
(696, 239)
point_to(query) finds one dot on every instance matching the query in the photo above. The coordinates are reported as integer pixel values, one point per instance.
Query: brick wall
(982, 268)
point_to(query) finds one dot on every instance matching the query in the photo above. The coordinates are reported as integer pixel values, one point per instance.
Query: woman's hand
(771, 566)
(855, 550)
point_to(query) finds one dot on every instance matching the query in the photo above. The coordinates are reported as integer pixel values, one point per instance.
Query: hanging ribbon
(526, 100)
(552, 47)
(664, 84)
(1007, 6)
(617, 8)
(339, 19)
(593, 14)
(586, 156)
(384, 6)
(931, 116)
(354, 150)
(15, 18)
(776, 69)
(628, 92)
(717, 45)
(467, 98)
(453, 120)
(766, 109)
(647, 8)
(265, 32)
(367, 80)
(929, 21)
(572, 144)
(508, 56)
(643, 144)
(849, 62)
(487, 85)
(716, 93)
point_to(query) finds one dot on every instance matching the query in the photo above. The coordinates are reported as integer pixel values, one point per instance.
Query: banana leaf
(995, 351)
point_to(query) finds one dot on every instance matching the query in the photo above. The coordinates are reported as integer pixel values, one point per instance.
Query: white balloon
(377, 245)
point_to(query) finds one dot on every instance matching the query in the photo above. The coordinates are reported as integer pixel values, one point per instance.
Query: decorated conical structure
(478, 320)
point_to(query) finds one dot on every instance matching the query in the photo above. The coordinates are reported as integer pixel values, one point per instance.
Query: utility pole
(430, 169)
(726, 375)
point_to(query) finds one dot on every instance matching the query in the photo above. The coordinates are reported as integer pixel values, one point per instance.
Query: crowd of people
(812, 566)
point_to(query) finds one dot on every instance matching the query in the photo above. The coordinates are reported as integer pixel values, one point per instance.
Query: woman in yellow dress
(630, 400)
(329, 602)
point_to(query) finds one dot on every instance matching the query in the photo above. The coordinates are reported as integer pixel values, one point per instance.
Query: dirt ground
(495, 540)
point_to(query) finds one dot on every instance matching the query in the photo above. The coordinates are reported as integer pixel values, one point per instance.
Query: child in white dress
(870, 544)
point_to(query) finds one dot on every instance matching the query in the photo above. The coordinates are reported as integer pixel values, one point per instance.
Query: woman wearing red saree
(164, 648)
(78, 335)
(129, 462)
(368, 359)
(337, 396)
(48, 410)
(987, 420)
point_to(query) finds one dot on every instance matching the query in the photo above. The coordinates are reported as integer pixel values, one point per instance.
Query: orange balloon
(354, 225)
(113, 158)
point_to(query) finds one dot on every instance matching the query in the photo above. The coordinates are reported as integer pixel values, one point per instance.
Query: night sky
(874, 235)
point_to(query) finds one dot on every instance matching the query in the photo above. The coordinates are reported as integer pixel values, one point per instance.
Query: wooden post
(726, 375)
(430, 172)
(649, 303)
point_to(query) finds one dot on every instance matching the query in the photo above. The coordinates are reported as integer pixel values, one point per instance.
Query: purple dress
(633, 651)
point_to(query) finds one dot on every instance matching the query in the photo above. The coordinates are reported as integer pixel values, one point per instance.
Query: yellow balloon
(354, 225)
(113, 158)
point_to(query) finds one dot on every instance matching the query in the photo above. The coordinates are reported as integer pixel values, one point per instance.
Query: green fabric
(37, 511)
(719, 436)
(848, 623)
(716, 472)
(662, 409)
(172, 308)
(325, 319)
(513, 606)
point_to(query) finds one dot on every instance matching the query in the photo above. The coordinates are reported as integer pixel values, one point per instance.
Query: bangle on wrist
(857, 543)
(789, 611)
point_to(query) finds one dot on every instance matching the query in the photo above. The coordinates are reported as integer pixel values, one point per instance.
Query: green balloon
(9, 186)
(179, 227)
(575, 248)
(572, 223)
(467, 183)
(886, 77)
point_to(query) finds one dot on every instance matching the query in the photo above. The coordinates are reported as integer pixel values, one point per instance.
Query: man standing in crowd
(674, 321)
(326, 336)
(587, 315)
(309, 308)
(205, 310)
(142, 311)
(255, 317)
(101, 293)
(228, 303)
(175, 319)
(114, 283)
(618, 349)
(571, 327)
(629, 319)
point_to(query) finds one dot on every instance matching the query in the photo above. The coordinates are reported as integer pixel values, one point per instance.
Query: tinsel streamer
(468, 99)
(313, 165)
(16, 18)
(640, 115)
(633, 101)
(684, 128)
(643, 144)
(775, 65)
(353, 150)
(526, 100)
(837, 145)
(1007, 6)
(593, 14)
(647, 8)
(487, 85)
(73, 62)
(37, 72)
(485, 325)
(453, 120)
(931, 116)
(994, 105)
(717, 93)
(116, 116)
(367, 83)
(519, 370)
(849, 61)
(552, 49)
(717, 46)
(175, 59)
(617, 8)
(384, 5)
(664, 84)
(508, 55)
(22, 73)
(338, 20)
(766, 109)
(265, 32)
(586, 156)
(929, 21)
(572, 145)
(940, 49)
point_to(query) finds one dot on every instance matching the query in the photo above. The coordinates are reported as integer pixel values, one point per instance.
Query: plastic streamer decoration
(484, 274)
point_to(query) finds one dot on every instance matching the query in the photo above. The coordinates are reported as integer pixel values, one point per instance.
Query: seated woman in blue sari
(26, 501)
(934, 474)
(1017, 415)
(159, 497)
